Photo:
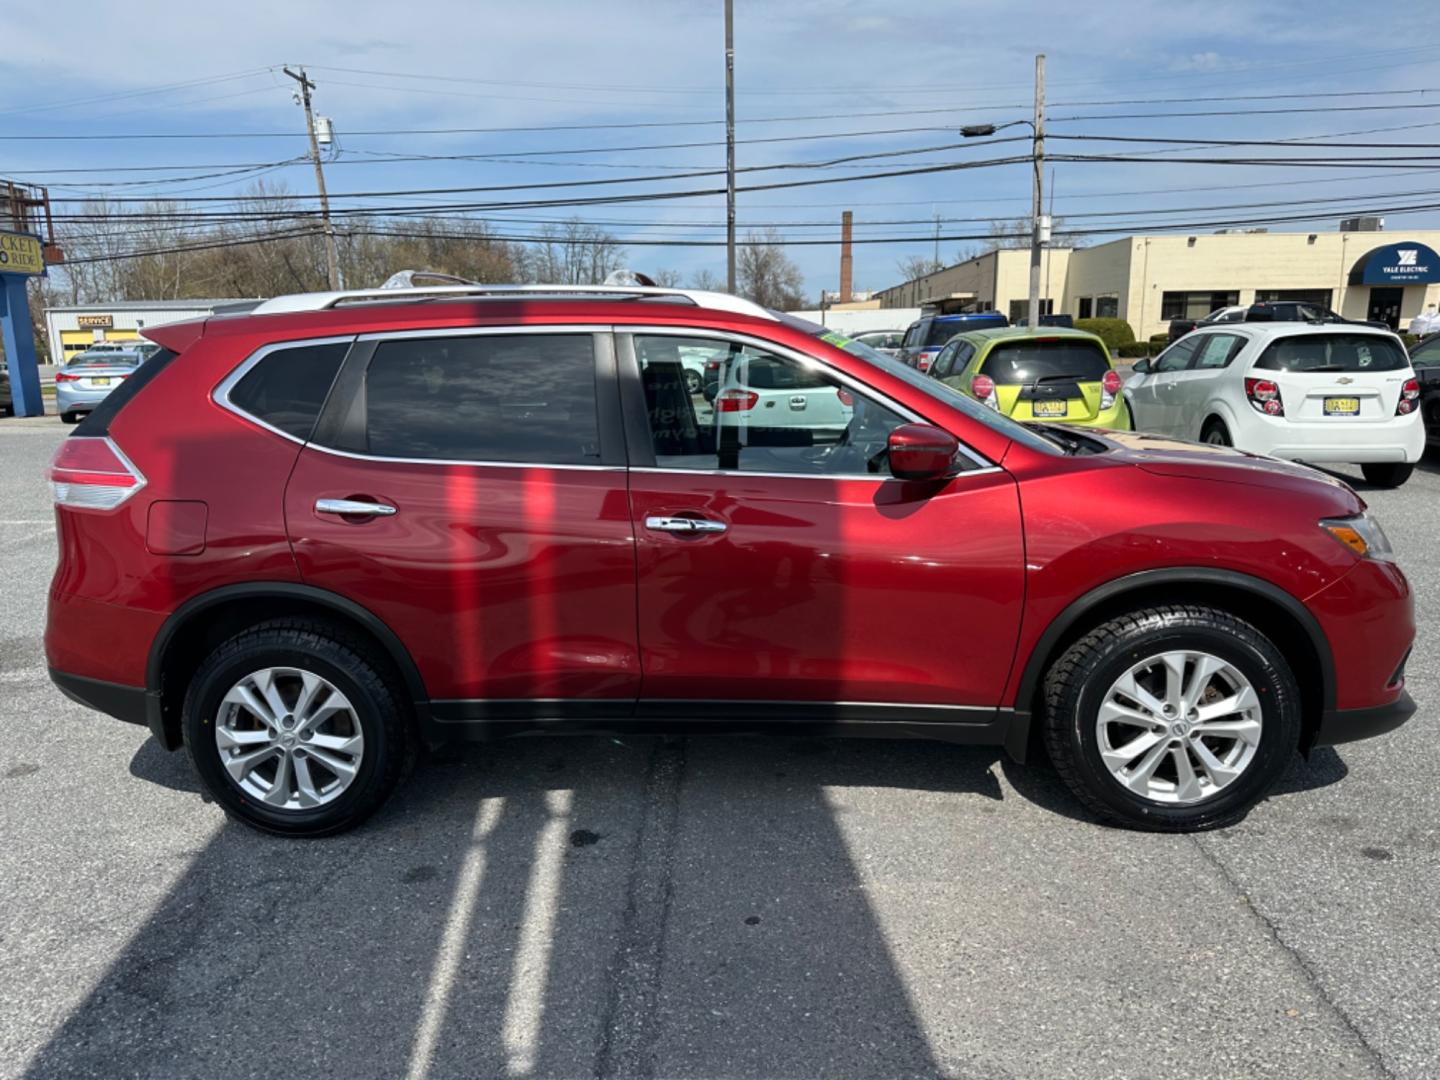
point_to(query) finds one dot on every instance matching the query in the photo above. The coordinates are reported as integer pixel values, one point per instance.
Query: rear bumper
(132, 704)
(1348, 725)
(1399, 440)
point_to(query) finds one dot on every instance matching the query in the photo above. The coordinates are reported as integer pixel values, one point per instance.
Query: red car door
(779, 562)
(469, 490)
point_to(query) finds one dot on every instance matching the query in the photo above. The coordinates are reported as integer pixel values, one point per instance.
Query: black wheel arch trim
(1034, 670)
(394, 647)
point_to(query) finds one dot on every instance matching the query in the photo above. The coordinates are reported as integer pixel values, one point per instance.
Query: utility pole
(1037, 154)
(332, 261)
(730, 145)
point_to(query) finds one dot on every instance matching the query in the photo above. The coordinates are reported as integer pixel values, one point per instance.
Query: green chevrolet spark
(1051, 373)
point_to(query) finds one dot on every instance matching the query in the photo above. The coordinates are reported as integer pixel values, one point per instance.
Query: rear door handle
(684, 525)
(353, 508)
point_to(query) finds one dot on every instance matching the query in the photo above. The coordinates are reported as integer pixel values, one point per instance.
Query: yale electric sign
(20, 254)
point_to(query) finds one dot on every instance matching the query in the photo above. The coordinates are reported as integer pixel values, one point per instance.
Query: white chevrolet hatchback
(1324, 393)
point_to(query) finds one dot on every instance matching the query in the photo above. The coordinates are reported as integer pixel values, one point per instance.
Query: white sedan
(1315, 393)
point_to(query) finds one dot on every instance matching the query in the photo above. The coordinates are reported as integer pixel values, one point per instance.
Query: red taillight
(923, 363)
(61, 376)
(983, 387)
(1264, 397)
(92, 474)
(733, 400)
(1111, 382)
(1408, 395)
(846, 398)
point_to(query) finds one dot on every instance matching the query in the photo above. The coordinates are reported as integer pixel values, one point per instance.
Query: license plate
(100, 380)
(1050, 408)
(1342, 406)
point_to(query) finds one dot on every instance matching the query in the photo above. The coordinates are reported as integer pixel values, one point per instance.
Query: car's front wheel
(295, 729)
(692, 382)
(1171, 718)
(1390, 475)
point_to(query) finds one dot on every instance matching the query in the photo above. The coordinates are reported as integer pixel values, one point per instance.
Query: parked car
(89, 377)
(1053, 374)
(303, 540)
(1057, 319)
(928, 334)
(7, 399)
(1299, 311)
(888, 342)
(1180, 327)
(1425, 359)
(1316, 393)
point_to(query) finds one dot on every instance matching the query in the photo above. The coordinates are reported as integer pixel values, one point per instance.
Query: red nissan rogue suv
(307, 539)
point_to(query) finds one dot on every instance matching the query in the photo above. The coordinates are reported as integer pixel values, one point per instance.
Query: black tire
(69, 418)
(1216, 434)
(692, 382)
(1076, 684)
(374, 691)
(1387, 475)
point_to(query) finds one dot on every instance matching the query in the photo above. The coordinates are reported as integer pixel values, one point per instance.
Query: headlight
(1362, 534)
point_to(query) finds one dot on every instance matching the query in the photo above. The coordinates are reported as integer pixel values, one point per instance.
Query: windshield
(1029, 360)
(1334, 352)
(934, 388)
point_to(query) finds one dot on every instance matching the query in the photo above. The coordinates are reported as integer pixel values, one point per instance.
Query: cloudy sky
(445, 94)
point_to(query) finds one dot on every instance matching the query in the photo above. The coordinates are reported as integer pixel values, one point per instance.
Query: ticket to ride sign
(21, 254)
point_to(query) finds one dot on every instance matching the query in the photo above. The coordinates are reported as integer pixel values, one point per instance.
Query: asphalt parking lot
(704, 907)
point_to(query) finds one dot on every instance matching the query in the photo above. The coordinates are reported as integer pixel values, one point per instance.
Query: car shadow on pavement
(536, 907)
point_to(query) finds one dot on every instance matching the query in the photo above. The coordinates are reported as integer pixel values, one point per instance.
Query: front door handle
(353, 508)
(684, 525)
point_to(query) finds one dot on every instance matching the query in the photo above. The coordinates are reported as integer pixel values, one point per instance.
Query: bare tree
(667, 278)
(707, 281)
(917, 266)
(1011, 233)
(765, 273)
(572, 254)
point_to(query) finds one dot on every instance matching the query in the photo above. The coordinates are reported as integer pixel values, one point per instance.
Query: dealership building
(1148, 280)
(73, 329)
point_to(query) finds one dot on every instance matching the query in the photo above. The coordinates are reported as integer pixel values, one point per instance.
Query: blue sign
(1405, 263)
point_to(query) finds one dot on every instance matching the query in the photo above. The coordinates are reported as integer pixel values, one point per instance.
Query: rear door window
(1026, 360)
(521, 398)
(1217, 350)
(940, 332)
(1333, 353)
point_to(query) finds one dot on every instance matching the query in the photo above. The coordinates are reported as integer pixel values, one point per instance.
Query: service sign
(21, 254)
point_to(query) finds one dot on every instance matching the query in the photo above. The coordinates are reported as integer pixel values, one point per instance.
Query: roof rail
(325, 301)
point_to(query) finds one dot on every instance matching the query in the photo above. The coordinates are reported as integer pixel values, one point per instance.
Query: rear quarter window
(1333, 352)
(287, 387)
(1025, 361)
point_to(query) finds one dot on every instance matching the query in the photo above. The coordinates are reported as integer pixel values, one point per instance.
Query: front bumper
(1348, 725)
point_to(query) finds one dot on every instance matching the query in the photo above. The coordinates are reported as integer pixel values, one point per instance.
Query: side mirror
(921, 452)
(1142, 367)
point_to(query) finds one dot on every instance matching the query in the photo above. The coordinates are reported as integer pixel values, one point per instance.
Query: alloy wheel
(289, 738)
(1179, 727)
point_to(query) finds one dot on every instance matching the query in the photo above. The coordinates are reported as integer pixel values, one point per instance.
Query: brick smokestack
(847, 275)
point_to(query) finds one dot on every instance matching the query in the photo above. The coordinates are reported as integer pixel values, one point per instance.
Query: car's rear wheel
(69, 418)
(295, 729)
(692, 382)
(1390, 475)
(1172, 718)
(1216, 434)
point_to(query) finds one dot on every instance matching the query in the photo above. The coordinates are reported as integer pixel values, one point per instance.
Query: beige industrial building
(1148, 280)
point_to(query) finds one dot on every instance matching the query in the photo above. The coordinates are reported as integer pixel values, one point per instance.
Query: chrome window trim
(509, 330)
(806, 360)
(221, 394)
(451, 462)
(879, 478)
